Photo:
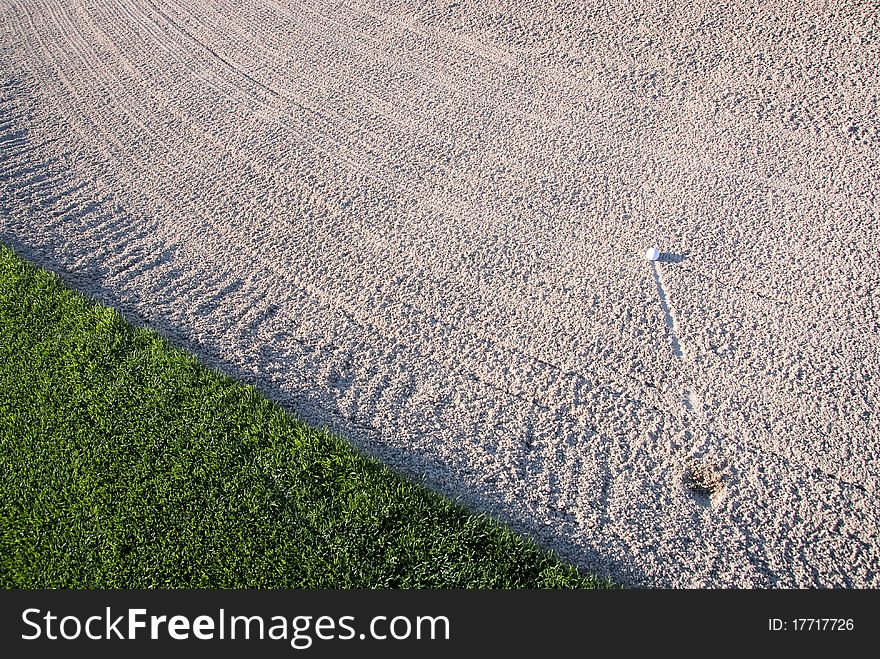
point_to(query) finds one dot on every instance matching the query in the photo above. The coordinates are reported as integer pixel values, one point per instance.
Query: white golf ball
(652, 253)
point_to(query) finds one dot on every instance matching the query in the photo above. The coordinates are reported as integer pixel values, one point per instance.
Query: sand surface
(422, 224)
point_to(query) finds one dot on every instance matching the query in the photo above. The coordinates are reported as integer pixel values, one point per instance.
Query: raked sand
(423, 225)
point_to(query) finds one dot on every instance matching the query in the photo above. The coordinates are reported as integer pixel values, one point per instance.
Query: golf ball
(652, 253)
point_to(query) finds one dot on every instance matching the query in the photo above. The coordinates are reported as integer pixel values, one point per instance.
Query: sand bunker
(423, 224)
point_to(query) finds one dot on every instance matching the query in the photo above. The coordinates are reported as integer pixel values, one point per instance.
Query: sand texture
(423, 224)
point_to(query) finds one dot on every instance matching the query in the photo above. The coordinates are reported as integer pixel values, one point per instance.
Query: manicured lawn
(126, 463)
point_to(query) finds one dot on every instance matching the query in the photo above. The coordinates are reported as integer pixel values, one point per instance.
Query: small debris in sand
(703, 479)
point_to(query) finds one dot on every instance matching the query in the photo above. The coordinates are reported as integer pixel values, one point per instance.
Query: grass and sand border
(126, 463)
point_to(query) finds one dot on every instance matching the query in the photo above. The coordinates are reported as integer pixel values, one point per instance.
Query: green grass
(125, 463)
